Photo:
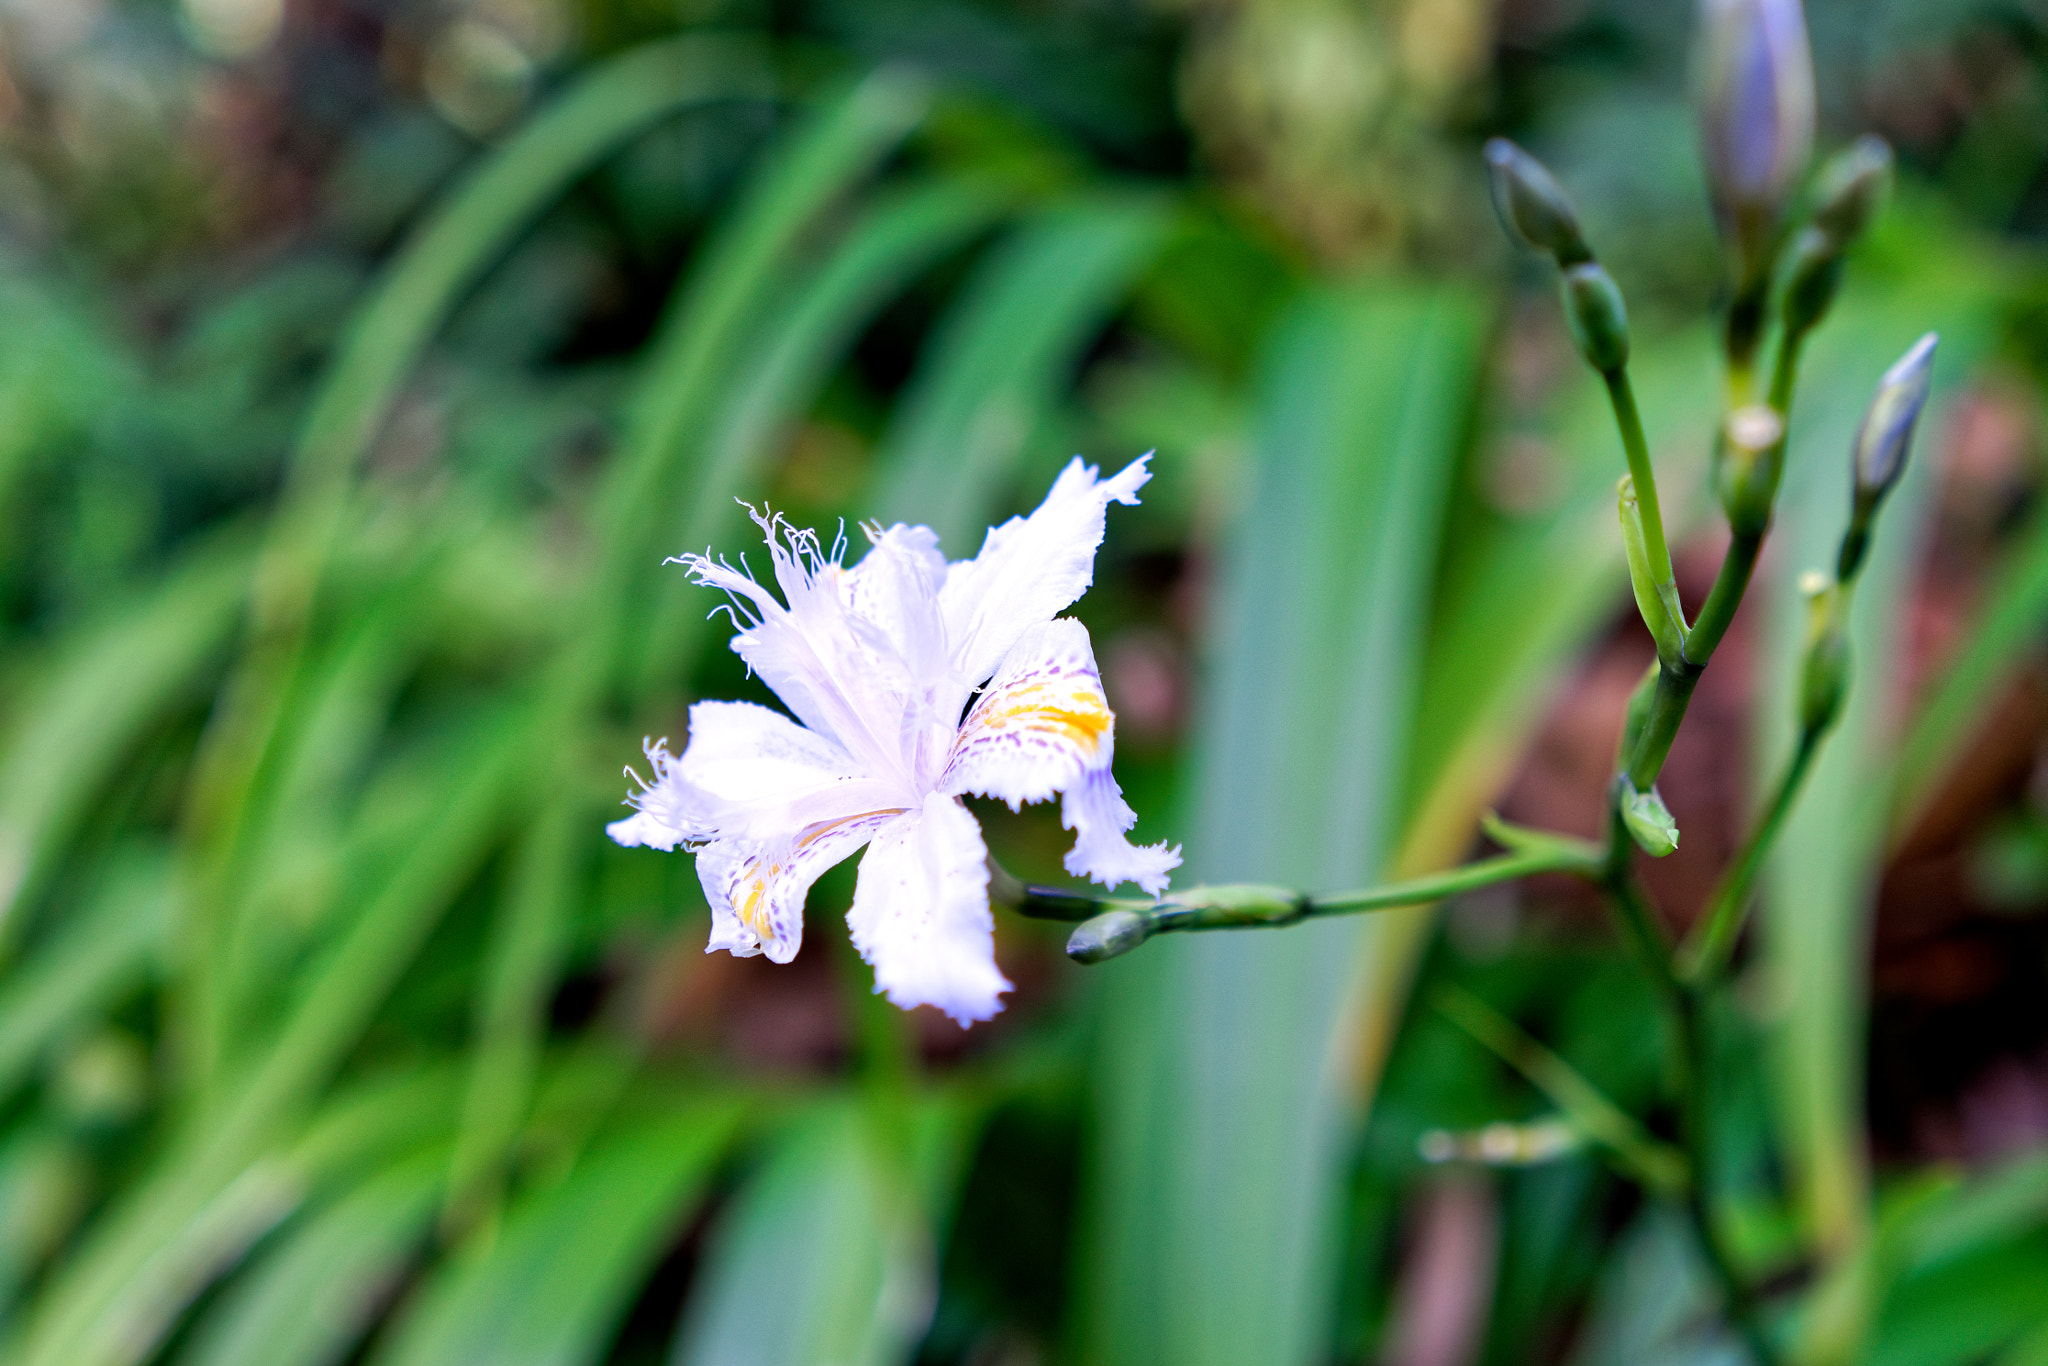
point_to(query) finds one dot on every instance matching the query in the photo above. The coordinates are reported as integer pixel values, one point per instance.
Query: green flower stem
(1599, 1120)
(1738, 1298)
(1633, 444)
(1112, 926)
(1706, 952)
(1685, 1005)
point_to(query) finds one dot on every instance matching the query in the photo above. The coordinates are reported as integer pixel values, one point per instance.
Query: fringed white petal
(1042, 727)
(920, 913)
(1040, 723)
(1031, 568)
(746, 770)
(1095, 810)
(756, 889)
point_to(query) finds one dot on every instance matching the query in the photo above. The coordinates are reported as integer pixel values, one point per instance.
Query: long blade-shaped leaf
(547, 1289)
(313, 1297)
(1006, 347)
(1223, 1089)
(829, 1223)
(894, 239)
(98, 694)
(656, 484)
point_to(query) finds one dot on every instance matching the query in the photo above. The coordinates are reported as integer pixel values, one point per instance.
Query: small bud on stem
(1751, 441)
(1882, 443)
(1648, 820)
(1824, 673)
(1597, 316)
(1851, 188)
(1532, 205)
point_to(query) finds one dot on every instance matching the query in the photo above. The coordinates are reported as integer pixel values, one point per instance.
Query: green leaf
(2006, 631)
(91, 703)
(1964, 1308)
(1006, 347)
(104, 949)
(311, 1298)
(656, 483)
(896, 237)
(830, 1222)
(210, 1196)
(476, 221)
(1224, 1077)
(511, 1004)
(548, 1289)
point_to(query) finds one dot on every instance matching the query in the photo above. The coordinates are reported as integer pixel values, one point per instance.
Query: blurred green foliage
(362, 362)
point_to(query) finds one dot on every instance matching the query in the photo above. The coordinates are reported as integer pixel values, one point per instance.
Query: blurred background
(360, 361)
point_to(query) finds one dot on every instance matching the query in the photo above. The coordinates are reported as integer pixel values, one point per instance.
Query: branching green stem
(1596, 1118)
(1629, 420)
(1115, 925)
(1705, 954)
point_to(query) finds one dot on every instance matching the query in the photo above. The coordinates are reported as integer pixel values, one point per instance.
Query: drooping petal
(1031, 568)
(1095, 810)
(920, 913)
(745, 769)
(1042, 727)
(756, 888)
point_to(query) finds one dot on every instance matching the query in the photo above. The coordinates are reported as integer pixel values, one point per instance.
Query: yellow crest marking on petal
(1080, 718)
(823, 828)
(752, 911)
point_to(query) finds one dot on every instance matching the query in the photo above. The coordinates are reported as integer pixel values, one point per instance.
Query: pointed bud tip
(1852, 188)
(1649, 822)
(1886, 435)
(1109, 935)
(1532, 206)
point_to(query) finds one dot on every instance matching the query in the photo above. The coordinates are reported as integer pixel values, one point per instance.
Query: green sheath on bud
(1813, 271)
(1749, 452)
(1532, 205)
(1824, 673)
(1108, 935)
(1649, 820)
(1597, 316)
(1851, 188)
(1653, 599)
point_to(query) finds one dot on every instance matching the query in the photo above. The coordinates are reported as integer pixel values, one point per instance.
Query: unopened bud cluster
(1538, 213)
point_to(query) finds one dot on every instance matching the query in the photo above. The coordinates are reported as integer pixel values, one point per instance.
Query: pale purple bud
(1756, 107)
(1887, 430)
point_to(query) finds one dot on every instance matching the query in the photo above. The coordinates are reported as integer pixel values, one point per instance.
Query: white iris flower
(879, 663)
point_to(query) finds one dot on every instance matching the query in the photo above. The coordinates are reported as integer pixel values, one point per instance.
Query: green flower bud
(1532, 206)
(1851, 189)
(1887, 429)
(1824, 673)
(1651, 597)
(1812, 274)
(1749, 463)
(1108, 935)
(1648, 820)
(1597, 316)
(1756, 111)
